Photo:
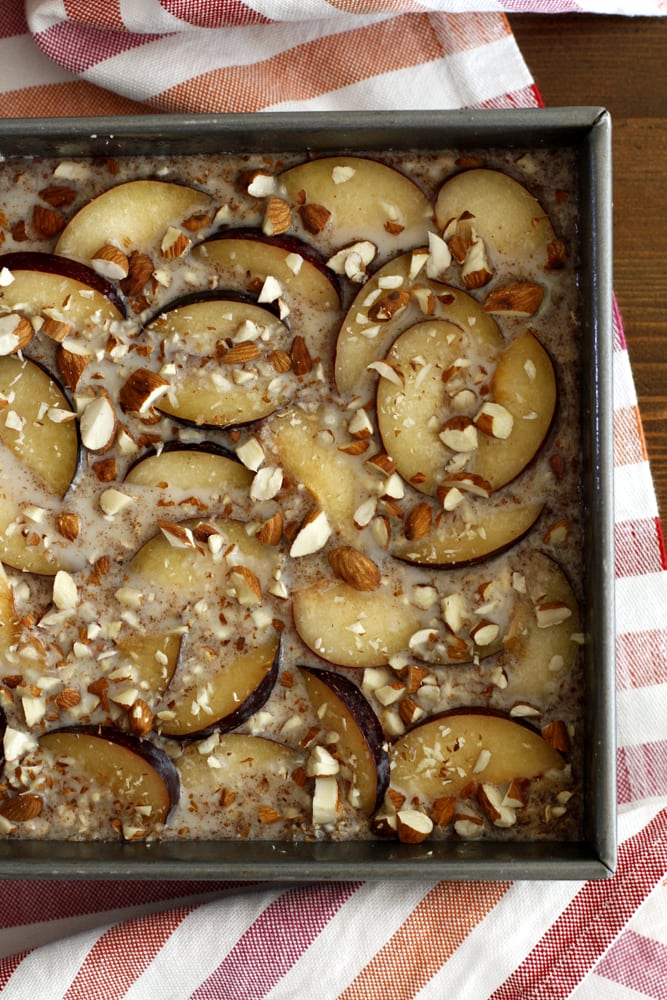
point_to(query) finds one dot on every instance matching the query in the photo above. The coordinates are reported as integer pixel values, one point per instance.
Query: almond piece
(418, 522)
(302, 362)
(495, 420)
(556, 256)
(277, 217)
(390, 305)
(140, 718)
(549, 613)
(67, 525)
(68, 698)
(239, 354)
(523, 298)
(413, 826)
(55, 329)
(459, 434)
(105, 470)
(47, 221)
(16, 332)
(409, 711)
(174, 243)
(484, 633)
(141, 390)
(140, 272)
(314, 217)
(246, 585)
(469, 482)
(57, 195)
(71, 364)
(21, 807)
(354, 567)
(280, 360)
(271, 531)
(110, 262)
(556, 735)
(443, 809)
(98, 424)
(312, 536)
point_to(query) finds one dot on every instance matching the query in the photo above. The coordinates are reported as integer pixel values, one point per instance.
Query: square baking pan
(586, 131)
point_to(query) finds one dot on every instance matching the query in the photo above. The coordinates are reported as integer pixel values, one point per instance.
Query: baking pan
(586, 131)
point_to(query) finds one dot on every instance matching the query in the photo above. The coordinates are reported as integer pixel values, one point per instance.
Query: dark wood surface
(621, 64)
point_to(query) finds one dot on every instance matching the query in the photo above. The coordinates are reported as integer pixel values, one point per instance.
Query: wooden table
(621, 64)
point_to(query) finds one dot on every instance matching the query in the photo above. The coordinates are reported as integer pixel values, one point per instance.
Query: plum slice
(363, 339)
(352, 628)
(237, 687)
(140, 777)
(70, 290)
(440, 365)
(245, 259)
(341, 707)
(411, 414)
(133, 214)
(38, 456)
(205, 466)
(225, 780)
(462, 540)
(504, 214)
(9, 626)
(312, 459)
(542, 639)
(181, 562)
(363, 196)
(446, 752)
(222, 351)
(242, 666)
(153, 659)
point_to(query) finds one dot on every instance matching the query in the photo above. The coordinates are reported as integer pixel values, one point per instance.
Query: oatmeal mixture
(290, 522)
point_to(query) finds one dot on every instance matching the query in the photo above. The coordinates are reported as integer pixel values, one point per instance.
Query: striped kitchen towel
(376, 941)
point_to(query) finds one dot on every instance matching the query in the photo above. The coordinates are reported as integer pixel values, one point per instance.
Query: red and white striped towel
(505, 940)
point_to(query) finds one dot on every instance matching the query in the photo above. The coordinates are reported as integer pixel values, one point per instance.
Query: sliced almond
(355, 568)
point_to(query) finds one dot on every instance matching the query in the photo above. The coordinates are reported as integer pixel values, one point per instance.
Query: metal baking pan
(587, 131)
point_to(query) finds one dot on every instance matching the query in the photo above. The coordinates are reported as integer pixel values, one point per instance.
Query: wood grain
(621, 64)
